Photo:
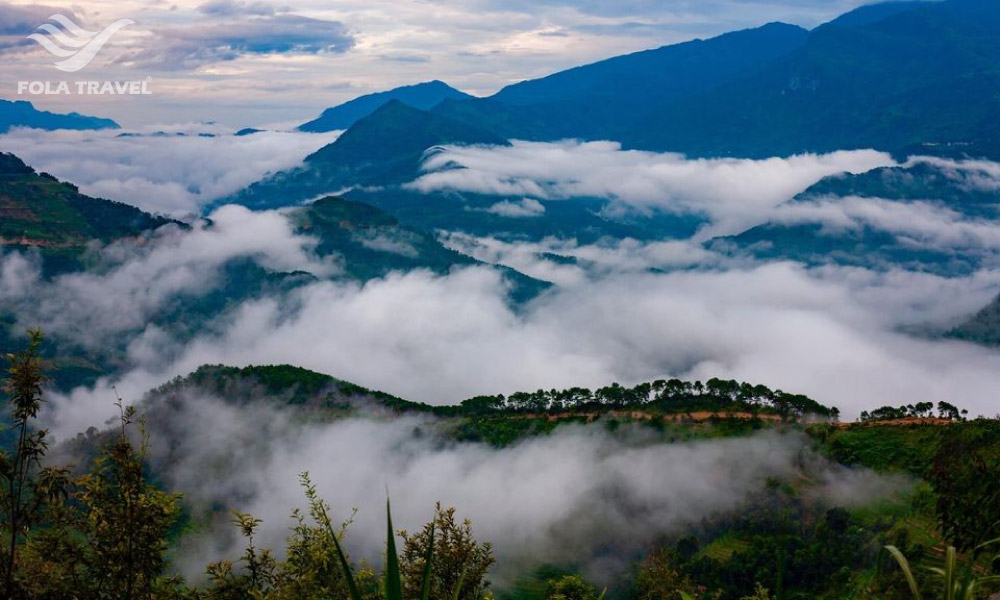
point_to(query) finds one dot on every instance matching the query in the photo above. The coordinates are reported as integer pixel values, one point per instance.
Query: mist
(577, 496)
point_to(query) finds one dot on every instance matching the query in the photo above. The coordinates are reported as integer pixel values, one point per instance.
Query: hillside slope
(39, 211)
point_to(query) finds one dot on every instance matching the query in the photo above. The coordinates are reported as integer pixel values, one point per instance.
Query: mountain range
(894, 76)
(904, 77)
(21, 113)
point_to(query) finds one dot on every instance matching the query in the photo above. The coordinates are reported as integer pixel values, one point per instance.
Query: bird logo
(72, 43)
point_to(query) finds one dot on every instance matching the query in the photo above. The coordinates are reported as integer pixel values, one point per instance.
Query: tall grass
(959, 582)
(392, 578)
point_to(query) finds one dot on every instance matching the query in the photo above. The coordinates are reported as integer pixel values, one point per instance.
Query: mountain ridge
(423, 96)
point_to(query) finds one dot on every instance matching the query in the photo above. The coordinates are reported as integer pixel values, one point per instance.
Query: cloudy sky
(251, 62)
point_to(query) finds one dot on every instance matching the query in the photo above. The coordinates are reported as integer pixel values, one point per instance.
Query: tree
(24, 484)
(460, 563)
(966, 479)
(570, 587)
(660, 578)
(127, 520)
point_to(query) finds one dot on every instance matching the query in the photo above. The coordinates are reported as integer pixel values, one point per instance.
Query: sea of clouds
(622, 310)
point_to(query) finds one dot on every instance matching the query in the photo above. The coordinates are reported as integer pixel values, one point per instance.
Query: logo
(73, 43)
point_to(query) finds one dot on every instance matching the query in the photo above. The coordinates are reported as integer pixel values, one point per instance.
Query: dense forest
(108, 530)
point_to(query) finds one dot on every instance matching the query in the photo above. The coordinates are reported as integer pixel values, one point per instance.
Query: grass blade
(393, 581)
(949, 574)
(352, 586)
(457, 592)
(425, 585)
(904, 565)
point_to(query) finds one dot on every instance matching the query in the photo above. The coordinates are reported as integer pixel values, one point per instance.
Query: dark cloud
(23, 20)
(17, 22)
(191, 47)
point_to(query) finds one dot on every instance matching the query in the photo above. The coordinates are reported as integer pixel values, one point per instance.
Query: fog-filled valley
(718, 319)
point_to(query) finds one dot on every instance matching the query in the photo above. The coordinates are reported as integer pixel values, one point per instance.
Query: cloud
(18, 21)
(973, 175)
(919, 224)
(567, 263)
(23, 19)
(173, 175)
(129, 285)
(190, 47)
(834, 334)
(526, 208)
(734, 193)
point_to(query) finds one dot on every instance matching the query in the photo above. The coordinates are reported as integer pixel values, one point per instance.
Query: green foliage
(24, 484)
(127, 520)
(460, 563)
(965, 475)
(661, 578)
(570, 587)
(957, 582)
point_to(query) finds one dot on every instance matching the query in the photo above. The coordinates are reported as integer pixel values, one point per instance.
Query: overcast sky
(253, 62)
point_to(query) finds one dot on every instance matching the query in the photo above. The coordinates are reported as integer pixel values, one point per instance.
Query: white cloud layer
(734, 193)
(169, 174)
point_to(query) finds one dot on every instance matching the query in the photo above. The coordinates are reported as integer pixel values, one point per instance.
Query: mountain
(381, 149)
(370, 244)
(423, 96)
(982, 327)
(905, 77)
(39, 211)
(20, 113)
(889, 76)
(885, 78)
(885, 230)
(604, 100)
(373, 160)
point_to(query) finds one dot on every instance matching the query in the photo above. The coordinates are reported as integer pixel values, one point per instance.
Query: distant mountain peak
(21, 113)
(398, 131)
(423, 96)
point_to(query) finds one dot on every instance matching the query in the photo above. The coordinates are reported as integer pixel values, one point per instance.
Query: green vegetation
(38, 211)
(957, 582)
(108, 532)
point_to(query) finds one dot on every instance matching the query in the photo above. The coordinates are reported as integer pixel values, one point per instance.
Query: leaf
(904, 565)
(393, 582)
(425, 585)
